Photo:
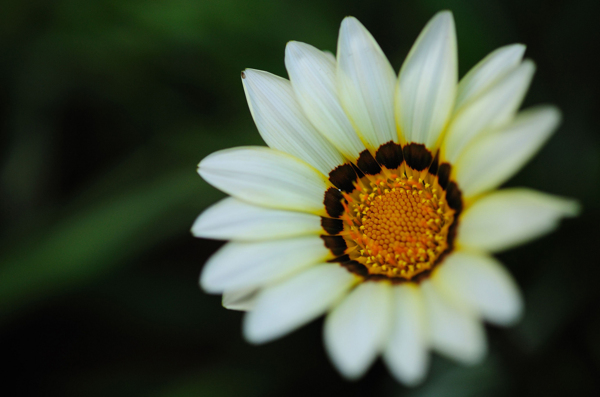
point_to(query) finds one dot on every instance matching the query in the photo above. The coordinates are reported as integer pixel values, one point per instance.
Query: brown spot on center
(417, 156)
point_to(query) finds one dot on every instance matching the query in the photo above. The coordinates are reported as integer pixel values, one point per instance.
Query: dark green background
(106, 107)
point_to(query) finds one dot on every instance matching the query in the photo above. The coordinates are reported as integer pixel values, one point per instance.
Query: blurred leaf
(89, 242)
(106, 107)
(218, 382)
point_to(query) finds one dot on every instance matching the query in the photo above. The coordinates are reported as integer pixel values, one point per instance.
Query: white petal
(240, 299)
(481, 283)
(455, 332)
(493, 108)
(233, 219)
(246, 265)
(312, 73)
(282, 124)
(357, 329)
(494, 158)
(511, 217)
(284, 307)
(266, 177)
(366, 82)
(330, 55)
(483, 75)
(406, 353)
(427, 82)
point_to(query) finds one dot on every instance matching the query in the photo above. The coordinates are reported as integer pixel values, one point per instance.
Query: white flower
(375, 200)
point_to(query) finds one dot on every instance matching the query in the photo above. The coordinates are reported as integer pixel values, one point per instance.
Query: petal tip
(196, 230)
(209, 162)
(514, 318)
(247, 73)
(446, 14)
(351, 23)
(291, 45)
(518, 47)
(529, 65)
(409, 378)
(294, 49)
(444, 18)
(347, 371)
(512, 51)
(206, 284)
(556, 115)
(199, 229)
(253, 335)
(572, 208)
(202, 165)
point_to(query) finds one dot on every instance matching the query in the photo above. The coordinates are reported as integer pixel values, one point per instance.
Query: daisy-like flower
(376, 200)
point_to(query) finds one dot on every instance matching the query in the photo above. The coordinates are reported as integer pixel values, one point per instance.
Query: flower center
(397, 226)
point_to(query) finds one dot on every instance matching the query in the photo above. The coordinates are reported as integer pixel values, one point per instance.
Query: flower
(375, 202)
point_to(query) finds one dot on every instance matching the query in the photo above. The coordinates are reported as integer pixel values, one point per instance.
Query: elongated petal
(247, 265)
(427, 82)
(233, 219)
(356, 330)
(481, 283)
(455, 332)
(511, 217)
(483, 75)
(493, 108)
(312, 73)
(284, 307)
(493, 158)
(240, 299)
(406, 353)
(366, 82)
(266, 177)
(282, 124)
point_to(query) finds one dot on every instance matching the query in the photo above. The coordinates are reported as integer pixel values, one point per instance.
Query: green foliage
(107, 106)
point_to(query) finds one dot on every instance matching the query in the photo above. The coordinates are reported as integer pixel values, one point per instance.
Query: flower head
(375, 202)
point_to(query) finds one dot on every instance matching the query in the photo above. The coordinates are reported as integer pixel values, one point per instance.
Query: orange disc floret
(397, 226)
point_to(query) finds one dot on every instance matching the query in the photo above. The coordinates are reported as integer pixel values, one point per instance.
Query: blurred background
(107, 106)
